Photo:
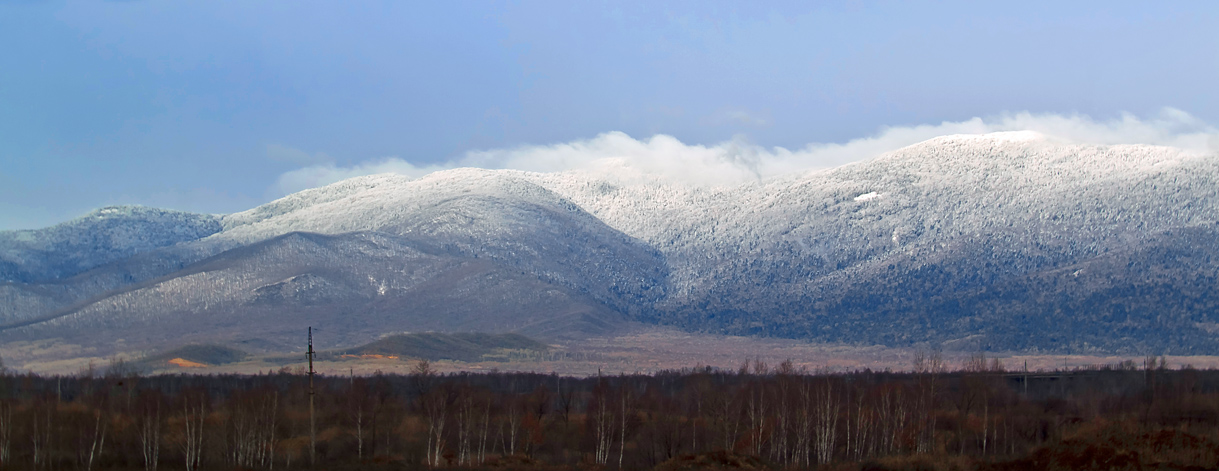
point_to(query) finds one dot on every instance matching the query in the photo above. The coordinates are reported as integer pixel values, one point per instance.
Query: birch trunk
(150, 438)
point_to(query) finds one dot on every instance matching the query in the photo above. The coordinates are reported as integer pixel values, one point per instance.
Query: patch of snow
(871, 195)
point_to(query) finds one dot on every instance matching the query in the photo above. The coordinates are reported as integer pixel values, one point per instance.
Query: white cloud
(1171, 127)
(324, 174)
(738, 160)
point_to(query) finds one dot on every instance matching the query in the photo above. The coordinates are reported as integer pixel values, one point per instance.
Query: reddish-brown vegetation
(184, 363)
(757, 417)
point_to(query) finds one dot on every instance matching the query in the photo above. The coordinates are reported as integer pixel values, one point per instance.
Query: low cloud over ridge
(738, 160)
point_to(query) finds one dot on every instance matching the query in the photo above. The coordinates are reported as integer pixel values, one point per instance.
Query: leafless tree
(697, 394)
(928, 368)
(803, 430)
(486, 425)
(861, 420)
(782, 397)
(891, 410)
(193, 415)
(826, 407)
(436, 410)
(41, 436)
(96, 440)
(467, 422)
(602, 421)
(725, 409)
(756, 410)
(6, 433)
(149, 429)
(627, 401)
(251, 429)
(358, 409)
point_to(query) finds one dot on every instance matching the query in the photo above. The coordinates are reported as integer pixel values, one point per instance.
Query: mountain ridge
(926, 244)
(102, 236)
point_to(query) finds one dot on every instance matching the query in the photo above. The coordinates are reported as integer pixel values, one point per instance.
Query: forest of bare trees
(976, 415)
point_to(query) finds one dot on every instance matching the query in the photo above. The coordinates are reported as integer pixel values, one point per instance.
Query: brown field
(643, 350)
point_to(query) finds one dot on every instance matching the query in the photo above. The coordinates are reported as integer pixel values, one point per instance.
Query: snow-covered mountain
(477, 213)
(47, 269)
(100, 237)
(1003, 241)
(1021, 192)
(352, 286)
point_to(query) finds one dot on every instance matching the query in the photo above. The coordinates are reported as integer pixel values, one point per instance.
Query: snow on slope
(789, 255)
(1033, 201)
(472, 212)
(353, 286)
(380, 201)
(1039, 201)
(100, 237)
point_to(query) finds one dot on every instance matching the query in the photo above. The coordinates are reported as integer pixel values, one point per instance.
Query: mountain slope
(1007, 241)
(352, 287)
(801, 256)
(106, 235)
(475, 213)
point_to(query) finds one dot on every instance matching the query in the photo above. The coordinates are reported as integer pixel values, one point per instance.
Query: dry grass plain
(642, 350)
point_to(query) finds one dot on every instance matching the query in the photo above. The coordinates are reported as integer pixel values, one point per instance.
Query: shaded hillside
(352, 287)
(22, 302)
(1154, 296)
(202, 355)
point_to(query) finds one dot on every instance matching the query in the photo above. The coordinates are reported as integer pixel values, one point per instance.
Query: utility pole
(1026, 379)
(312, 421)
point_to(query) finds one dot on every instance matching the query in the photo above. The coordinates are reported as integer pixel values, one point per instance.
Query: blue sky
(205, 106)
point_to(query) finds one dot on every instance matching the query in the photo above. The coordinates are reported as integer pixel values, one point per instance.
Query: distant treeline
(978, 416)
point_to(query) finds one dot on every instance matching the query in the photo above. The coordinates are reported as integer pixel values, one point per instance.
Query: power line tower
(312, 421)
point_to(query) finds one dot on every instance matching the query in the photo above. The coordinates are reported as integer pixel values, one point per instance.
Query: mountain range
(1003, 242)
